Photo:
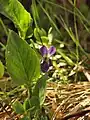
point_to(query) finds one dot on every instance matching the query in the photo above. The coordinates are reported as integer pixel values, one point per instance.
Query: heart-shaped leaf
(22, 61)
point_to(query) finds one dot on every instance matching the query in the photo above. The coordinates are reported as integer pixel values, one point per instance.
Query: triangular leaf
(40, 89)
(22, 61)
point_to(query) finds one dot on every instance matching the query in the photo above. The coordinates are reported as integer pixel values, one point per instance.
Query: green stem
(50, 19)
(29, 97)
(3, 46)
(29, 92)
(4, 27)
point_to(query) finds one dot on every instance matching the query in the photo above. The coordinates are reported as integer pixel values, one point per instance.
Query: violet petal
(43, 50)
(44, 66)
(52, 50)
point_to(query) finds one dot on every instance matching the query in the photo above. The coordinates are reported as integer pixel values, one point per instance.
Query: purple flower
(52, 50)
(46, 54)
(44, 51)
(44, 66)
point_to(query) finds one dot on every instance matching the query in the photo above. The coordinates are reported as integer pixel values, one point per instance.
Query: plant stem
(29, 97)
(4, 27)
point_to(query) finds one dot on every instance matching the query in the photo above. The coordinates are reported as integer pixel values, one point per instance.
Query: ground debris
(69, 102)
(63, 102)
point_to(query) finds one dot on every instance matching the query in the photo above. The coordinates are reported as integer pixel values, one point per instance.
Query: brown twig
(76, 114)
(4, 109)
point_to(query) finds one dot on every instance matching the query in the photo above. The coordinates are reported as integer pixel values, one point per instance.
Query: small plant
(31, 54)
(24, 67)
(22, 61)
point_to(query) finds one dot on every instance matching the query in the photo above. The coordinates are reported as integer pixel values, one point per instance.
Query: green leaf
(34, 104)
(25, 118)
(45, 40)
(18, 107)
(40, 89)
(14, 10)
(38, 33)
(22, 61)
(1, 70)
(29, 33)
(43, 32)
(26, 104)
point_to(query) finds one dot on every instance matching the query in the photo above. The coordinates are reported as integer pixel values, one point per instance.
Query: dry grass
(63, 102)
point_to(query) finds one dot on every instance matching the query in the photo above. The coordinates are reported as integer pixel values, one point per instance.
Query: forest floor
(63, 102)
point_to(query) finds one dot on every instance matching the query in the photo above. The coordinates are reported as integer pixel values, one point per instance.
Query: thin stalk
(6, 32)
(35, 13)
(29, 92)
(50, 19)
(78, 13)
(77, 39)
(71, 34)
(29, 97)
(3, 46)
(5, 29)
(59, 6)
(66, 14)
